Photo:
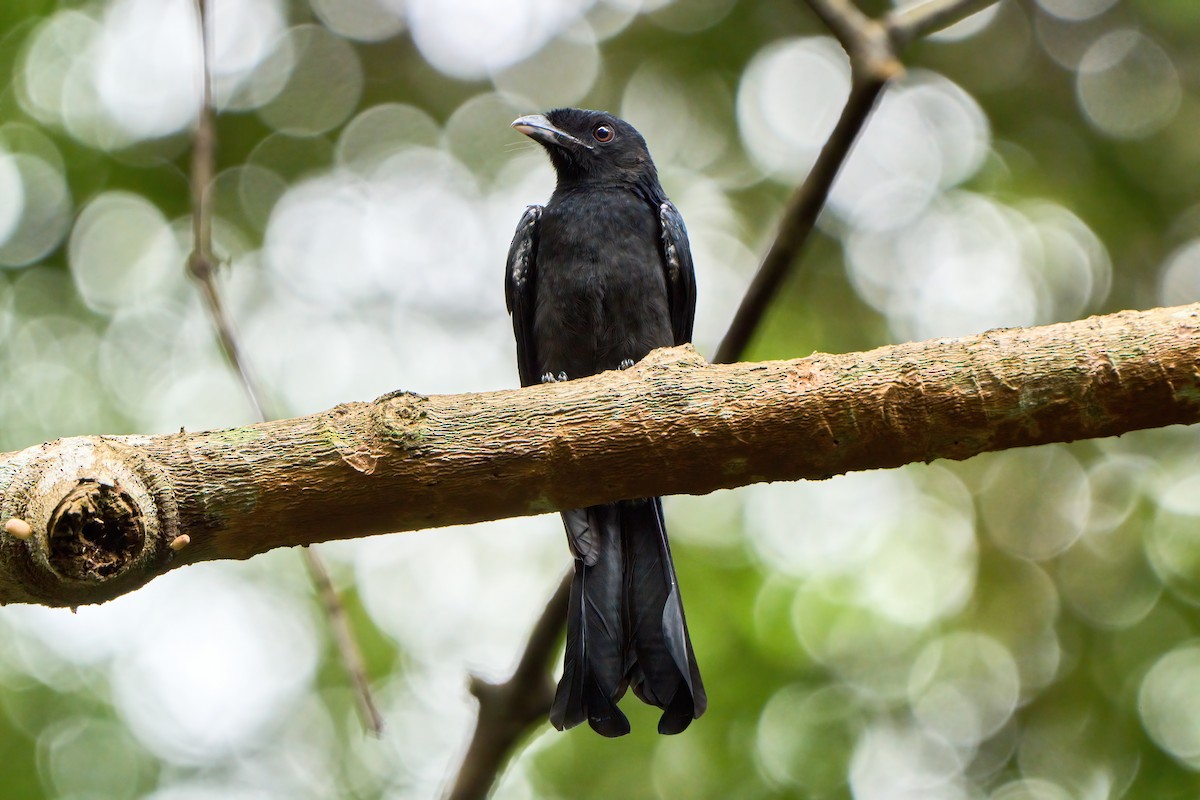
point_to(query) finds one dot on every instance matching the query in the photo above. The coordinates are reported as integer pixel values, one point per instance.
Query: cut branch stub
(86, 520)
(95, 532)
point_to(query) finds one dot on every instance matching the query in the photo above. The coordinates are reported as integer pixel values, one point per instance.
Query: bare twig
(509, 710)
(874, 48)
(202, 266)
(850, 26)
(344, 642)
(202, 263)
(923, 18)
(799, 217)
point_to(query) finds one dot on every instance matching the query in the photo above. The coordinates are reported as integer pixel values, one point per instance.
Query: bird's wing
(520, 281)
(681, 278)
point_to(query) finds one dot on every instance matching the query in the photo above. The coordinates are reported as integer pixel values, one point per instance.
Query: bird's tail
(625, 623)
(593, 666)
(660, 665)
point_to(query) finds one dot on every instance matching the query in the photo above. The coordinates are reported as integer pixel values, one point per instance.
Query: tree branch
(799, 217)
(102, 511)
(202, 262)
(923, 18)
(874, 49)
(509, 710)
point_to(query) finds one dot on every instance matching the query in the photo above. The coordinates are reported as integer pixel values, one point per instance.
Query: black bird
(596, 279)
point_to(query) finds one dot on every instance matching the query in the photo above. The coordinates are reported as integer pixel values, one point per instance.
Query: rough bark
(102, 512)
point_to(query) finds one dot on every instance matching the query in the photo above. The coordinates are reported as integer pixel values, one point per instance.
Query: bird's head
(590, 146)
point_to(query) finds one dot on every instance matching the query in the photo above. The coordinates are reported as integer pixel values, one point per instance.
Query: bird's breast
(601, 296)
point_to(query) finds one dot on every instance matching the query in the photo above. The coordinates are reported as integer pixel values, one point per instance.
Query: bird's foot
(550, 377)
(625, 364)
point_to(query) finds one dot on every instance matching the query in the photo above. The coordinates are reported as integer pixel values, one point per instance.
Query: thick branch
(671, 425)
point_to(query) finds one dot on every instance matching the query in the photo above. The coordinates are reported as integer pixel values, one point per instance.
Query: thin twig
(202, 262)
(797, 223)
(872, 65)
(344, 642)
(202, 266)
(921, 19)
(845, 21)
(873, 56)
(873, 47)
(509, 710)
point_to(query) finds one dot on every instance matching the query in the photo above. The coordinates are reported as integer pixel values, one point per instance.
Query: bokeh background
(1021, 626)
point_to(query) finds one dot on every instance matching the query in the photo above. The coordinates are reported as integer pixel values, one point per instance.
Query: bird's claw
(550, 377)
(625, 363)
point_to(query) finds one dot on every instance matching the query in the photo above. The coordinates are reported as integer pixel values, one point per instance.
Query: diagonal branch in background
(202, 262)
(799, 217)
(874, 50)
(507, 710)
(202, 267)
(672, 424)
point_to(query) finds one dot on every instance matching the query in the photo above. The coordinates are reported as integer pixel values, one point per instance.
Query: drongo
(596, 279)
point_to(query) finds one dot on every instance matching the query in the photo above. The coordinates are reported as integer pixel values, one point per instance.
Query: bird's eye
(603, 133)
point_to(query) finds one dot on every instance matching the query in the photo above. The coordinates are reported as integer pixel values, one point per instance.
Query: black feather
(520, 276)
(660, 663)
(593, 665)
(681, 277)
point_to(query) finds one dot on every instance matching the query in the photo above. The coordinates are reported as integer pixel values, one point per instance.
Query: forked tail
(625, 623)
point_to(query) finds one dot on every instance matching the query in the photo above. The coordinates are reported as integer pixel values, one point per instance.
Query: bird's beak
(536, 126)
